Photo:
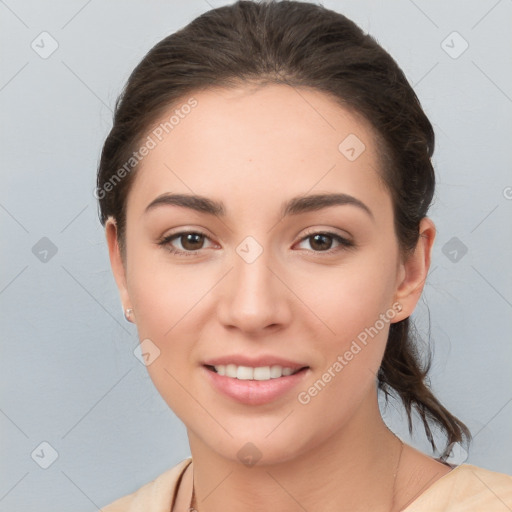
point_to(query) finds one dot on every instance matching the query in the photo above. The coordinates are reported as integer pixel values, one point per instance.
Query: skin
(253, 148)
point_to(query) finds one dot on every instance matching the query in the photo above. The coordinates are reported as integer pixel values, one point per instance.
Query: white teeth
(276, 371)
(244, 373)
(262, 373)
(230, 370)
(250, 373)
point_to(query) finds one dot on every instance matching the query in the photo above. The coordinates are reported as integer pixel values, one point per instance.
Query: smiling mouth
(260, 373)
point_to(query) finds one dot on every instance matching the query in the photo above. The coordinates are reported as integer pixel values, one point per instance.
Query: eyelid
(345, 242)
(185, 230)
(326, 231)
(165, 240)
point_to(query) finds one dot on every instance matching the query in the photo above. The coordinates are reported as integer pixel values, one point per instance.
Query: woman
(264, 191)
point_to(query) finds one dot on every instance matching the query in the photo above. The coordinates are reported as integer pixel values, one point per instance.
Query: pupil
(317, 237)
(319, 240)
(191, 238)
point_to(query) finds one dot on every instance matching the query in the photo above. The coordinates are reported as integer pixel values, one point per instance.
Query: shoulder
(466, 488)
(155, 496)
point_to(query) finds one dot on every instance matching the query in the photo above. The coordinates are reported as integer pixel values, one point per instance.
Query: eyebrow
(294, 206)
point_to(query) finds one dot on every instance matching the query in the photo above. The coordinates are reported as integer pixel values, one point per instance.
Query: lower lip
(254, 392)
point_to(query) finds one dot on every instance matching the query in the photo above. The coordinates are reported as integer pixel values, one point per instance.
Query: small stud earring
(399, 307)
(127, 314)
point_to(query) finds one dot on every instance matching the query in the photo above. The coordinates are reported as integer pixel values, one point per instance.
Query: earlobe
(128, 313)
(414, 269)
(117, 264)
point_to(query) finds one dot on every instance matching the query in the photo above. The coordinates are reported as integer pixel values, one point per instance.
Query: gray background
(68, 373)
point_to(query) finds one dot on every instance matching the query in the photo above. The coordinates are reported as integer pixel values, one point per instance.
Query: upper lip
(254, 362)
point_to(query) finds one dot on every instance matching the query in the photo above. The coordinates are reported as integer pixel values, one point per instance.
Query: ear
(116, 262)
(413, 271)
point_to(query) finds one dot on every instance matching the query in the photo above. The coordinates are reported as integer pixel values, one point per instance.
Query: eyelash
(166, 241)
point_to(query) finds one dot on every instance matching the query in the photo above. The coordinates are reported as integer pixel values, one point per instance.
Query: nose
(253, 297)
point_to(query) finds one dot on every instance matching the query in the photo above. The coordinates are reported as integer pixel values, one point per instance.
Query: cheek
(355, 302)
(164, 299)
(351, 297)
(169, 301)
(359, 313)
(163, 294)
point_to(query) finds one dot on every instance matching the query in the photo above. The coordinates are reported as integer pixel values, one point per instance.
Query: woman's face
(269, 279)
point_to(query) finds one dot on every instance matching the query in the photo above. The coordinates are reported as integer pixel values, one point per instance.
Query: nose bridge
(252, 297)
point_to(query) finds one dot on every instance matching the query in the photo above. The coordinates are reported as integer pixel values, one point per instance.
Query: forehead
(268, 141)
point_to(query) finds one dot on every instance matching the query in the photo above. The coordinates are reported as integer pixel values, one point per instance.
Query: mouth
(259, 373)
(255, 385)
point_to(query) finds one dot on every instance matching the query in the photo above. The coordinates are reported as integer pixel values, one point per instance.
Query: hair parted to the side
(302, 45)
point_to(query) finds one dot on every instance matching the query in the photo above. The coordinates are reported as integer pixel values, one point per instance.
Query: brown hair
(302, 45)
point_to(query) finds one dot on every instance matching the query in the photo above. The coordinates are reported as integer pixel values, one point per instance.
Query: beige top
(466, 488)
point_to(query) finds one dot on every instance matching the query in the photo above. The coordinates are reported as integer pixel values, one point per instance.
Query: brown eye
(191, 241)
(323, 242)
(185, 243)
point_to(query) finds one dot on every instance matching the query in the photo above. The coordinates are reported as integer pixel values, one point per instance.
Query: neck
(354, 470)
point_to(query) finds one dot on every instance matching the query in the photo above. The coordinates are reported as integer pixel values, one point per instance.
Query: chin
(259, 445)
